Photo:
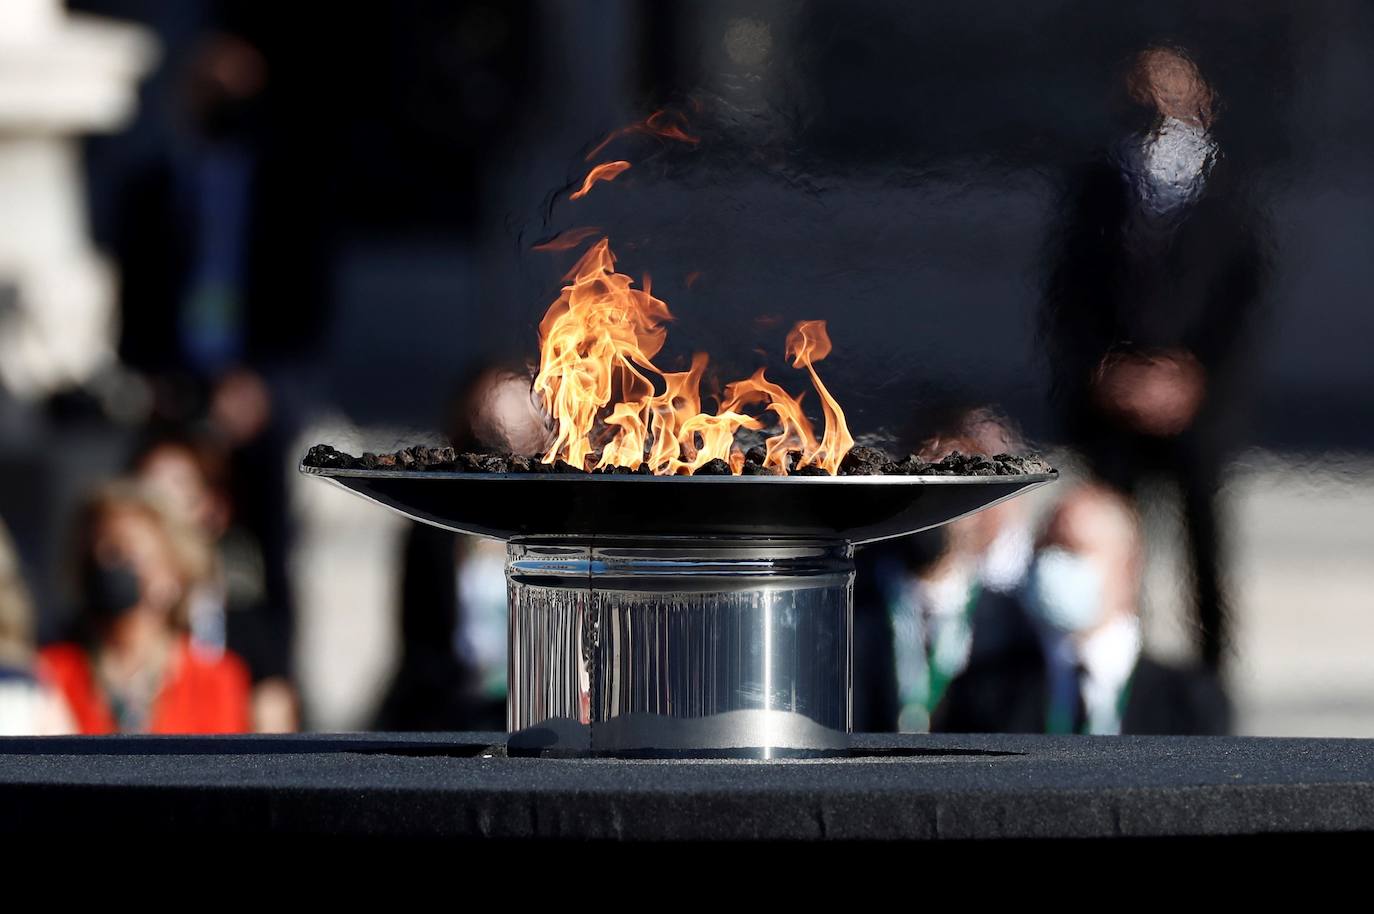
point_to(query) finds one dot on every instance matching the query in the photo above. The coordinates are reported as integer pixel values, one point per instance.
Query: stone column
(60, 76)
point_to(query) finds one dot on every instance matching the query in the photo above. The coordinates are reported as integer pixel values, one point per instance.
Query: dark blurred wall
(892, 167)
(896, 168)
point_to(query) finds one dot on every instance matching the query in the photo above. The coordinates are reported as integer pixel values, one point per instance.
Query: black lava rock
(907, 466)
(326, 457)
(864, 461)
(860, 461)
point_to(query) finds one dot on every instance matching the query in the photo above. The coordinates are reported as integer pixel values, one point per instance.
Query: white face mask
(1168, 167)
(1064, 590)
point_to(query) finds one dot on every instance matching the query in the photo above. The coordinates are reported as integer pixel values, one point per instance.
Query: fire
(807, 344)
(606, 171)
(666, 124)
(612, 407)
(597, 338)
(566, 241)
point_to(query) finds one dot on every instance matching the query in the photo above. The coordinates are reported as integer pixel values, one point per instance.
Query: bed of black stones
(860, 461)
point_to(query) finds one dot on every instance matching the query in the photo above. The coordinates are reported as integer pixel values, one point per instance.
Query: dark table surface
(464, 785)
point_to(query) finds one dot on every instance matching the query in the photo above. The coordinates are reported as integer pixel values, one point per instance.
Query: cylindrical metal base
(728, 648)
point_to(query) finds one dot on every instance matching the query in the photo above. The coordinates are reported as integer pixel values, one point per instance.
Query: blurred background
(1135, 237)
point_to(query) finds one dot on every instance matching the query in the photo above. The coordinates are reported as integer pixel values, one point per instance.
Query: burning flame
(807, 344)
(666, 123)
(606, 171)
(566, 241)
(612, 407)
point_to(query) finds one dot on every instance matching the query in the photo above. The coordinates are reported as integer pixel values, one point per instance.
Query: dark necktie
(1080, 707)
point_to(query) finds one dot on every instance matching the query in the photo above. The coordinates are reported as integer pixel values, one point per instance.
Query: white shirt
(1109, 657)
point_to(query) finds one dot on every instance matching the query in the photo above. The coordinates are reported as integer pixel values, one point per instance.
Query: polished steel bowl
(854, 509)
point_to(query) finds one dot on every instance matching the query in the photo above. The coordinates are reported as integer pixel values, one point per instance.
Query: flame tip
(606, 171)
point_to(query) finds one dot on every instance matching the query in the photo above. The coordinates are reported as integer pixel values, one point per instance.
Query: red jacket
(199, 694)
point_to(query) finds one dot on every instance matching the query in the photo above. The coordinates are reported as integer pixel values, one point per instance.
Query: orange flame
(807, 344)
(795, 432)
(598, 334)
(606, 171)
(597, 382)
(566, 241)
(665, 123)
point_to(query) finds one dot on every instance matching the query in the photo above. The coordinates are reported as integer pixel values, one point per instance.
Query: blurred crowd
(1006, 621)
(178, 612)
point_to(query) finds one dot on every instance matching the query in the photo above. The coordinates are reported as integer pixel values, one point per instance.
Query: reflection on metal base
(732, 734)
(699, 649)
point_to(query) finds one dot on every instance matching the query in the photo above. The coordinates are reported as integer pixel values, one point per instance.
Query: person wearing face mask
(1155, 287)
(230, 606)
(919, 598)
(131, 668)
(1080, 667)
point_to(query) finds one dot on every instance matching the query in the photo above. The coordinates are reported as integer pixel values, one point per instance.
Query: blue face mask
(1064, 590)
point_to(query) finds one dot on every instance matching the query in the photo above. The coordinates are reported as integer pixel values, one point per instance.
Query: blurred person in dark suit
(917, 597)
(220, 311)
(222, 263)
(228, 607)
(452, 674)
(1069, 657)
(282, 162)
(1148, 311)
(131, 666)
(282, 154)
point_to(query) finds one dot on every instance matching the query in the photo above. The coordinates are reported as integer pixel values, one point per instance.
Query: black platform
(894, 787)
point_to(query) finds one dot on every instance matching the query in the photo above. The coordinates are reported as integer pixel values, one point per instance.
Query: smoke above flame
(611, 406)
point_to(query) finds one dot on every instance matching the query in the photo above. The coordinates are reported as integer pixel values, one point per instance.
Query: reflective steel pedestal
(724, 648)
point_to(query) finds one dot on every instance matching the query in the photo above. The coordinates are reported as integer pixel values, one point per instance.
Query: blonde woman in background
(229, 608)
(28, 707)
(133, 668)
